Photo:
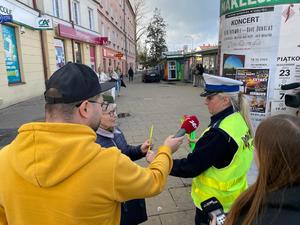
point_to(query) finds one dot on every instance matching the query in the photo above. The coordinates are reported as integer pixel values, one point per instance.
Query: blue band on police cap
(222, 88)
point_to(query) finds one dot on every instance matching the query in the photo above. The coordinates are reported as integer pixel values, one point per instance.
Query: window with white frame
(91, 19)
(76, 12)
(57, 8)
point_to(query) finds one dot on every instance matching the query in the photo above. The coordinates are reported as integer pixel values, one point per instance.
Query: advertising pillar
(260, 45)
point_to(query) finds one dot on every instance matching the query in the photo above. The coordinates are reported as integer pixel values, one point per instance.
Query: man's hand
(145, 146)
(173, 143)
(150, 156)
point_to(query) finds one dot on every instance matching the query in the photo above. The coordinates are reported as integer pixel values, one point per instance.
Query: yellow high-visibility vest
(226, 184)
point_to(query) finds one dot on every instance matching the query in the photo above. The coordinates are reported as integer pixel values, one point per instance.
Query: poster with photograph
(261, 39)
(11, 54)
(231, 63)
(256, 88)
(59, 53)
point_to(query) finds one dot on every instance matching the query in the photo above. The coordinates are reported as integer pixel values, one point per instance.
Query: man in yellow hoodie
(54, 173)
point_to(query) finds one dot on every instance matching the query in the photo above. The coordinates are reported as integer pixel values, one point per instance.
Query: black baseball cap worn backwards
(74, 82)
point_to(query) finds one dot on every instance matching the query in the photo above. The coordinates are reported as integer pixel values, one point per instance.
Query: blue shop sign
(5, 18)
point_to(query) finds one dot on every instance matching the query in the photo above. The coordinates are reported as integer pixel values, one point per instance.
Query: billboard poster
(256, 88)
(261, 40)
(11, 54)
(59, 53)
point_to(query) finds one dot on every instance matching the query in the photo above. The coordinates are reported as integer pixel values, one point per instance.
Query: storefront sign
(260, 46)
(21, 14)
(108, 53)
(5, 18)
(103, 41)
(44, 23)
(69, 32)
(4, 10)
(119, 55)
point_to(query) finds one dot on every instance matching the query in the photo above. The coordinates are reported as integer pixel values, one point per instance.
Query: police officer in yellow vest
(223, 154)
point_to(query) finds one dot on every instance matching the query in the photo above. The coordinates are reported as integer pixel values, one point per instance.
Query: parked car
(151, 75)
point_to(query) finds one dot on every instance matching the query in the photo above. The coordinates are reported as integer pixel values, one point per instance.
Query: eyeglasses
(210, 97)
(111, 113)
(104, 105)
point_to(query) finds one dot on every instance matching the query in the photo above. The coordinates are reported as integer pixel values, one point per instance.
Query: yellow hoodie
(55, 174)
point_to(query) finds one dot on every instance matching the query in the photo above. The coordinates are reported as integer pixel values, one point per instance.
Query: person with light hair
(223, 154)
(274, 197)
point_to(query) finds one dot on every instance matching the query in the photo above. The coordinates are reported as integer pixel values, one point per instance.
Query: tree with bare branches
(139, 8)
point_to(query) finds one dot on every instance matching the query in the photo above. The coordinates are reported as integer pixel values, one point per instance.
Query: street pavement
(141, 105)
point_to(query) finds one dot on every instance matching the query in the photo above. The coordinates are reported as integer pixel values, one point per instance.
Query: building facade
(117, 22)
(98, 33)
(21, 58)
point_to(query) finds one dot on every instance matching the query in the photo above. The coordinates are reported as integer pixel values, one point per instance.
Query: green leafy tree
(156, 34)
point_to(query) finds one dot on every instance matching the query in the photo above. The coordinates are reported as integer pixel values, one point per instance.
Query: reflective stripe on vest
(226, 184)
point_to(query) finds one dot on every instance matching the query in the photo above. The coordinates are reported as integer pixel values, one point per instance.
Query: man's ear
(83, 109)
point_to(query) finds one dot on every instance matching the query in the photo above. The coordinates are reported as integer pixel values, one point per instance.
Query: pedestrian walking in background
(130, 74)
(198, 71)
(133, 212)
(201, 71)
(58, 174)
(223, 155)
(274, 198)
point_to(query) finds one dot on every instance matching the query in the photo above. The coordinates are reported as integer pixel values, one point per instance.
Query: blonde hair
(239, 103)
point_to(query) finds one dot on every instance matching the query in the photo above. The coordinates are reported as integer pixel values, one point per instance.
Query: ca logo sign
(44, 23)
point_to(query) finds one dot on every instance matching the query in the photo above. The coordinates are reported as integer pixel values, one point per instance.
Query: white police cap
(218, 84)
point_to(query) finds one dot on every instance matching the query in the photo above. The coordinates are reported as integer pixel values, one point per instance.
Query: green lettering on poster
(230, 6)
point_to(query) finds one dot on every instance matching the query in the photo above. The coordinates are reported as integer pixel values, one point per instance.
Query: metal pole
(125, 38)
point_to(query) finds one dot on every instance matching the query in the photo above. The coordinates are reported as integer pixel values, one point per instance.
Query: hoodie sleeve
(3, 220)
(144, 182)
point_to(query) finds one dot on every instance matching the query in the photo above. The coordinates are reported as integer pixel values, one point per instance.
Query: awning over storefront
(72, 33)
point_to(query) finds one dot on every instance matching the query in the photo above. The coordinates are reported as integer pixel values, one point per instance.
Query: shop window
(77, 51)
(59, 53)
(11, 54)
